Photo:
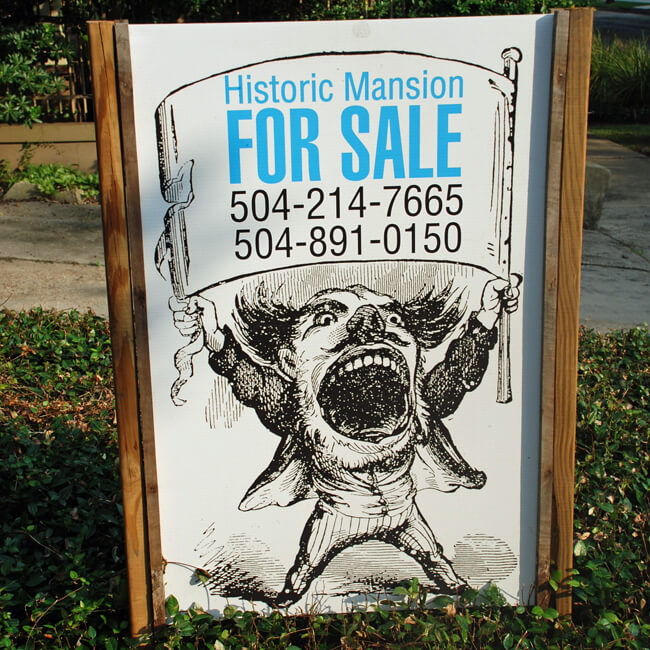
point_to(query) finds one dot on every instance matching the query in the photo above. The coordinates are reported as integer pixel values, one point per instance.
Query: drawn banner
(376, 156)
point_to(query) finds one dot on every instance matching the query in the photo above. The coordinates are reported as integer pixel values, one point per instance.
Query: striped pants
(328, 532)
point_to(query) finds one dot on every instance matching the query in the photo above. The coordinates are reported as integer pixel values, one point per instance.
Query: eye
(394, 319)
(325, 318)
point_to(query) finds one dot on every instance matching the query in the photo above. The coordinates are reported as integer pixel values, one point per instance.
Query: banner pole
(511, 57)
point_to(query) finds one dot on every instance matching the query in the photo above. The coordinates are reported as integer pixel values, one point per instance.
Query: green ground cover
(50, 178)
(62, 570)
(633, 136)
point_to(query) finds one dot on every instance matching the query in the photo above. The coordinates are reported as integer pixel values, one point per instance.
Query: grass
(633, 136)
(619, 4)
(619, 94)
(619, 89)
(62, 568)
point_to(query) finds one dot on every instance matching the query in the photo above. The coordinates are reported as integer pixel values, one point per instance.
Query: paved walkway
(52, 255)
(615, 283)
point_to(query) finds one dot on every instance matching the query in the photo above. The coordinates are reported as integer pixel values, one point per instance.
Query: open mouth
(365, 393)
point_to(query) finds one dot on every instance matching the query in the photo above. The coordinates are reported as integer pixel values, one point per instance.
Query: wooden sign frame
(115, 125)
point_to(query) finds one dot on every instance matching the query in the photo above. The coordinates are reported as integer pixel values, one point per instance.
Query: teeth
(368, 360)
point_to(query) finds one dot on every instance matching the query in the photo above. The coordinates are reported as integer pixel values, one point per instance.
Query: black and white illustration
(341, 381)
(336, 304)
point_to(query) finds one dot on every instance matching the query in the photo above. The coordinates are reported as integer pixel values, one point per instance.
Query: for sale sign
(342, 229)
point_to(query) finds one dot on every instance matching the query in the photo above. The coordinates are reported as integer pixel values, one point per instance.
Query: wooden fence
(75, 101)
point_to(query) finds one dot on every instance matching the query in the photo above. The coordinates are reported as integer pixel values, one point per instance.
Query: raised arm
(466, 359)
(256, 385)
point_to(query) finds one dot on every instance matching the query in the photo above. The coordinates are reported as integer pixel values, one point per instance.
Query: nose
(366, 324)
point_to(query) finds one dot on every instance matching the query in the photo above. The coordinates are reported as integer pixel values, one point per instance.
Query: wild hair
(431, 317)
(265, 323)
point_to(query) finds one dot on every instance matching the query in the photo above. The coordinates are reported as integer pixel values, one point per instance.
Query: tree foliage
(31, 41)
(76, 12)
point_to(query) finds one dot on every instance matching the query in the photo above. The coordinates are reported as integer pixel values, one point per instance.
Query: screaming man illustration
(341, 381)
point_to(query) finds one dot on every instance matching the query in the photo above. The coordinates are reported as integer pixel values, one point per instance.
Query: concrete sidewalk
(51, 255)
(615, 282)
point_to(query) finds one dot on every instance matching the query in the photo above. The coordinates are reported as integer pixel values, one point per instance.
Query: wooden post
(553, 185)
(118, 282)
(143, 366)
(574, 152)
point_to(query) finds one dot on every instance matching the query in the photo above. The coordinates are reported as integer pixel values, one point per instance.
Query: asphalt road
(625, 25)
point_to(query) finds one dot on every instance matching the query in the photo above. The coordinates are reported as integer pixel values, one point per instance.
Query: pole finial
(511, 56)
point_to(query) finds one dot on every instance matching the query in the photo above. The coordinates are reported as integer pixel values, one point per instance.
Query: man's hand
(498, 294)
(197, 316)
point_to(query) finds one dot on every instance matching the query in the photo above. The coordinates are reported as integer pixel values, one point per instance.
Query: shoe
(285, 598)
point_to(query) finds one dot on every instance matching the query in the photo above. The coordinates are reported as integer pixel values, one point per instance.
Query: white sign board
(342, 233)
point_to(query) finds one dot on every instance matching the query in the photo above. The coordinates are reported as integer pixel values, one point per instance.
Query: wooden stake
(553, 185)
(568, 291)
(121, 317)
(134, 222)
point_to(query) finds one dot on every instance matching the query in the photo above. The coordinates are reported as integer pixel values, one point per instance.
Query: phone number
(317, 203)
(337, 241)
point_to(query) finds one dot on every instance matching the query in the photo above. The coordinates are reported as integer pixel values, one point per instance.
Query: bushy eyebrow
(325, 305)
(393, 305)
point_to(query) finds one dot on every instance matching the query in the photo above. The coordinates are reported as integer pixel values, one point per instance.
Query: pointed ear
(287, 362)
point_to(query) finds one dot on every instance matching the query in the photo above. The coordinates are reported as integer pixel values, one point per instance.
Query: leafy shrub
(201, 10)
(620, 80)
(76, 12)
(344, 9)
(51, 178)
(28, 60)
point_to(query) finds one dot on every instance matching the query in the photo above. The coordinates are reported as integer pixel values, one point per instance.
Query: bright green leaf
(551, 613)
(172, 606)
(580, 549)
